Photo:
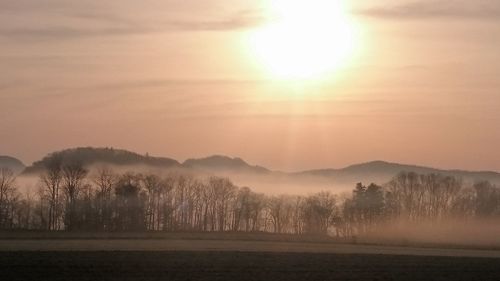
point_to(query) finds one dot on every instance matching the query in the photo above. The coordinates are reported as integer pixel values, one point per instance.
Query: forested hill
(377, 171)
(11, 163)
(88, 156)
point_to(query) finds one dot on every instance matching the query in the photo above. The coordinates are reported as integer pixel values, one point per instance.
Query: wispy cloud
(60, 32)
(216, 25)
(453, 9)
(65, 22)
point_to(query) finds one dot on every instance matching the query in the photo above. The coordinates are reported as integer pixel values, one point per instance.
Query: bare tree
(223, 191)
(73, 175)
(318, 211)
(183, 202)
(487, 199)
(7, 189)
(105, 180)
(153, 185)
(129, 203)
(166, 203)
(51, 180)
(281, 212)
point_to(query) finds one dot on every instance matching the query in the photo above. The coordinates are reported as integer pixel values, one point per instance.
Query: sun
(305, 39)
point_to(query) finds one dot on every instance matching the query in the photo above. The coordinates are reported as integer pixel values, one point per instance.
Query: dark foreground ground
(239, 266)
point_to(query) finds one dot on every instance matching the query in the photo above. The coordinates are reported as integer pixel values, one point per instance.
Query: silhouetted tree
(182, 202)
(105, 181)
(7, 196)
(73, 175)
(50, 181)
(281, 213)
(129, 203)
(487, 199)
(318, 212)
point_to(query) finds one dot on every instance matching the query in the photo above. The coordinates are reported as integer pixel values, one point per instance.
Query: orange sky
(175, 78)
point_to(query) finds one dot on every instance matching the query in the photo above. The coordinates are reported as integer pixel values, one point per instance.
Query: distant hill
(12, 163)
(258, 177)
(89, 156)
(381, 171)
(223, 163)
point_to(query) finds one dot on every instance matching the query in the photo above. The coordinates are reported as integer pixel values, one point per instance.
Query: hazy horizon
(258, 164)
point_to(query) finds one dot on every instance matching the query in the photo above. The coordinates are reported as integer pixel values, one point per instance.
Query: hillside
(381, 171)
(260, 178)
(11, 163)
(223, 163)
(110, 156)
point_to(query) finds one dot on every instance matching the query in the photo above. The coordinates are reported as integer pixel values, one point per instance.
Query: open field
(231, 265)
(231, 245)
(236, 257)
(159, 235)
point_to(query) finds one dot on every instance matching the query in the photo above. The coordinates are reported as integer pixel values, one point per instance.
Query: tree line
(71, 198)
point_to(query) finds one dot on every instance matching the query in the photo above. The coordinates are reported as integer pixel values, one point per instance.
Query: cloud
(63, 32)
(477, 9)
(26, 21)
(144, 84)
(220, 25)
(47, 33)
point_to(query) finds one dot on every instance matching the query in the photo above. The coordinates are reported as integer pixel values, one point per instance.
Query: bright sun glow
(306, 39)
